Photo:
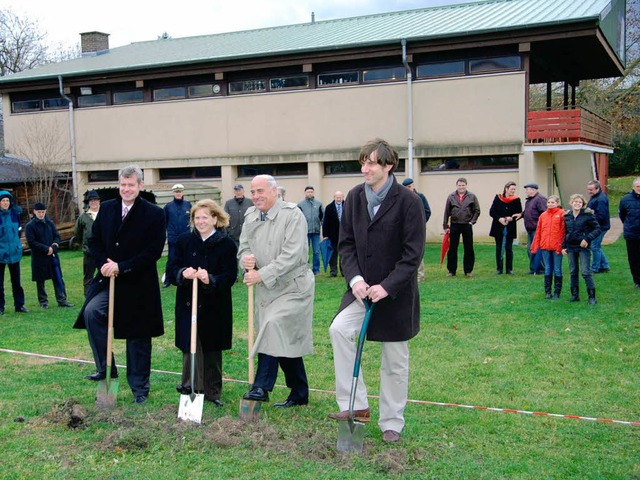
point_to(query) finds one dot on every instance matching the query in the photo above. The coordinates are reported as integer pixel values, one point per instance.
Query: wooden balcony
(568, 126)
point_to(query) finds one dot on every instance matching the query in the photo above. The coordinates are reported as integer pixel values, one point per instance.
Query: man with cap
(10, 250)
(409, 183)
(44, 240)
(176, 214)
(83, 233)
(236, 207)
(534, 205)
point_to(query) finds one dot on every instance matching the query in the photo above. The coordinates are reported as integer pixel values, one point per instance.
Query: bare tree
(42, 142)
(22, 44)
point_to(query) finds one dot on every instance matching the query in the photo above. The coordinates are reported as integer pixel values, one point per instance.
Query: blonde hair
(580, 196)
(554, 197)
(213, 209)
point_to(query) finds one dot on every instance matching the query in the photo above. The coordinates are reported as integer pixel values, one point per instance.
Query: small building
(447, 86)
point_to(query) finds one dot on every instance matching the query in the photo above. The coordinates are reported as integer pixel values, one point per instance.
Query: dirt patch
(69, 413)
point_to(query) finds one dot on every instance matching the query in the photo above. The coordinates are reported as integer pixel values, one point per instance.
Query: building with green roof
(447, 86)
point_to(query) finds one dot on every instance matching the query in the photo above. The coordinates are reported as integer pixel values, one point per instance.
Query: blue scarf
(376, 198)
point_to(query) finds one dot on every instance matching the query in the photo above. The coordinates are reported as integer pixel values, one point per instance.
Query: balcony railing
(568, 126)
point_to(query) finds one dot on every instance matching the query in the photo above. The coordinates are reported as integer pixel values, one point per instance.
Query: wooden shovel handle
(194, 315)
(250, 333)
(112, 289)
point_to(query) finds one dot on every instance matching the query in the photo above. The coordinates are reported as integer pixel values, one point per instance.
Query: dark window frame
(469, 162)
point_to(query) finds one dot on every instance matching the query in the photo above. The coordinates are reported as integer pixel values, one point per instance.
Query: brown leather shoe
(390, 436)
(359, 415)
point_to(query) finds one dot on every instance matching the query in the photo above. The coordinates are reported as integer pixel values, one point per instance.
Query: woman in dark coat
(207, 255)
(581, 228)
(505, 211)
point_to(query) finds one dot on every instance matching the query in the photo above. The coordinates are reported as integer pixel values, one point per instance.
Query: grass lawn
(490, 341)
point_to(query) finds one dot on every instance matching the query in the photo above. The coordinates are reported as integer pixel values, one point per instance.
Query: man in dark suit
(331, 229)
(127, 241)
(381, 245)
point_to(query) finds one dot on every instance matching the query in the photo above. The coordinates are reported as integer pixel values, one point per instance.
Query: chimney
(93, 42)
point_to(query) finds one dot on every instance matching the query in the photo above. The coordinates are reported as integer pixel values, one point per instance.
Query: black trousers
(88, 270)
(16, 287)
(208, 372)
(294, 374)
(633, 255)
(138, 349)
(455, 231)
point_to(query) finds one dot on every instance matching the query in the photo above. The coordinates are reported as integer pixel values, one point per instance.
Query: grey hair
(270, 180)
(131, 170)
(595, 183)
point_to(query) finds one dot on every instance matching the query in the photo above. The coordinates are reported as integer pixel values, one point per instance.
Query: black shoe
(183, 389)
(140, 399)
(65, 304)
(98, 376)
(215, 401)
(21, 310)
(290, 403)
(44, 305)
(166, 285)
(257, 394)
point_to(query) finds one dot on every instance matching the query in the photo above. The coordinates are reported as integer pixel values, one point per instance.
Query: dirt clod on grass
(69, 413)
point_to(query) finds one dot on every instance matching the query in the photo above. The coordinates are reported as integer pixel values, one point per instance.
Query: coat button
(117, 244)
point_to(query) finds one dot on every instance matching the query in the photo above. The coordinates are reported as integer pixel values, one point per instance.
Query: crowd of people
(378, 233)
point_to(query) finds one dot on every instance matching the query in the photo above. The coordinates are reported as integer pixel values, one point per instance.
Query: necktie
(339, 209)
(124, 212)
(263, 217)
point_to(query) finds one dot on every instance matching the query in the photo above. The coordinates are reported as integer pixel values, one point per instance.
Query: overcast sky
(130, 21)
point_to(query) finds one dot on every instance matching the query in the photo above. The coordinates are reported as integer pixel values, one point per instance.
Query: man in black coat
(44, 241)
(382, 237)
(127, 241)
(331, 228)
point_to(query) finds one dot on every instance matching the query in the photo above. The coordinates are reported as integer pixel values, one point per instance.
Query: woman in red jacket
(548, 239)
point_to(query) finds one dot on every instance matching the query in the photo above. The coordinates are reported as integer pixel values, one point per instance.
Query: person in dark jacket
(10, 250)
(84, 224)
(382, 238)
(461, 213)
(236, 207)
(44, 241)
(534, 205)
(176, 214)
(313, 213)
(206, 255)
(581, 227)
(505, 210)
(127, 242)
(629, 211)
(331, 229)
(599, 203)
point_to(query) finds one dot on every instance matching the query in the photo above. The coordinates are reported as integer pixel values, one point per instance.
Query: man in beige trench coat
(274, 254)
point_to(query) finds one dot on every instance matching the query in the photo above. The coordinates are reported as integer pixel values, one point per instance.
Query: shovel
(250, 409)
(350, 432)
(108, 388)
(191, 405)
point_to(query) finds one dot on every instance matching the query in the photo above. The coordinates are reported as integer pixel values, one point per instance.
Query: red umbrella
(445, 246)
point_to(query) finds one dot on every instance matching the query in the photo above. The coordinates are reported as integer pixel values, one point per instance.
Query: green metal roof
(386, 28)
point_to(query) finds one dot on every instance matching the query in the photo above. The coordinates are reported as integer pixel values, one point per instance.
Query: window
(333, 79)
(352, 166)
(285, 83)
(469, 163)
(276, 170)
(26, 106)
(384, 74)
(494, 64)
(196, 91)
(133, 96)
(188, 173)
(54, 103)
(248, 86)
(92, 100)
(171, 93)
(103, 176)
(441, 69)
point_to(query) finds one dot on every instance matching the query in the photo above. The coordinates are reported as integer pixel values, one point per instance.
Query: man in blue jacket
(629, 212)
(10, 250)
(599, 203)
(176, 215)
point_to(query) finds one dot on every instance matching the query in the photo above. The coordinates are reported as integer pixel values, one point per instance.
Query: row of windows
(330, 168)
(297, 82)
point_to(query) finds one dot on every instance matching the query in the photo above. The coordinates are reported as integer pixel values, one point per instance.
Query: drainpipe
(409, 168)
(72, 140)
